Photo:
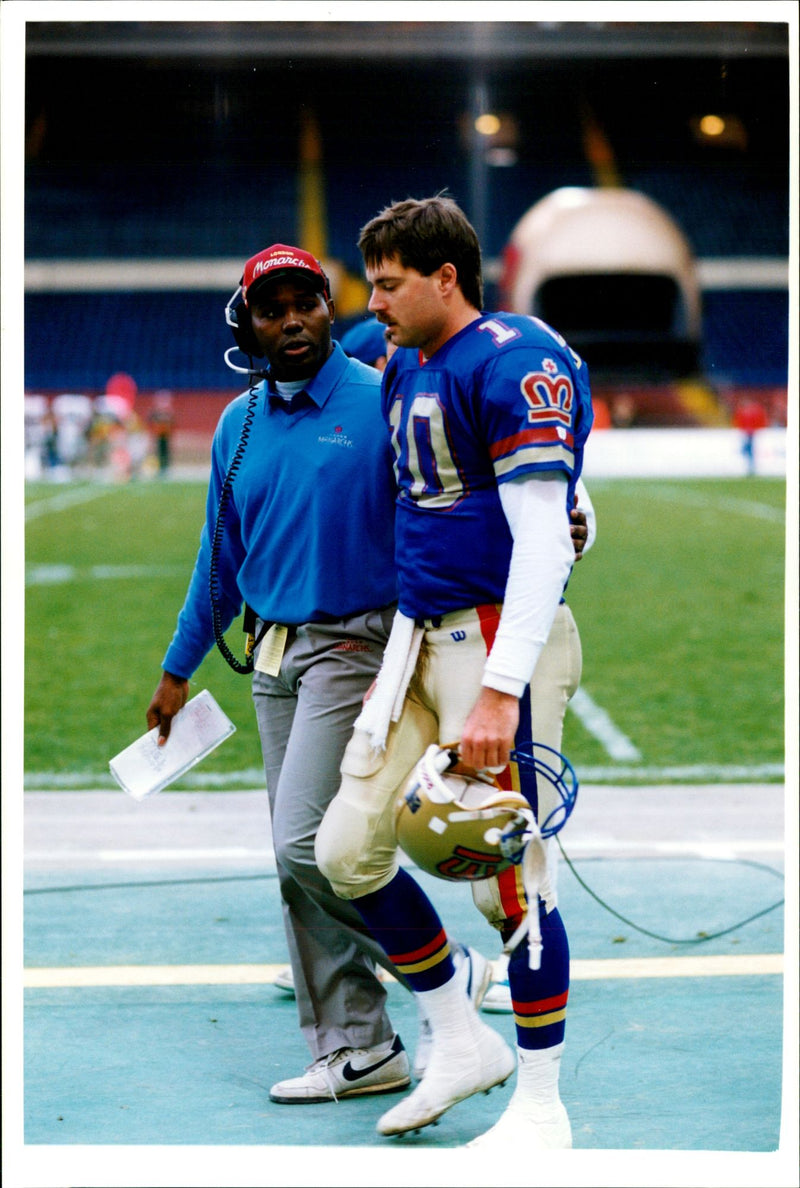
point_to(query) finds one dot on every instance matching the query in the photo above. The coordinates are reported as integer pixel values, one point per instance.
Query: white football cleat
(348, 1072)
(284, 980)
(474, 972)
(485, 1061)
(497, 999)
(528, 1127)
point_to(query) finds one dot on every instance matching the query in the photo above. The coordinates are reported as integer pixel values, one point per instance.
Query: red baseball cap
(281, 260)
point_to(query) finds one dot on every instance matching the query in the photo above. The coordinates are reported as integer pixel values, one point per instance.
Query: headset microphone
(237, 317)
(251, 371)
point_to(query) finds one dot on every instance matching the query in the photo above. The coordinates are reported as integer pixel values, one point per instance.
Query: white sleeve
(541, 562)
(587, 507)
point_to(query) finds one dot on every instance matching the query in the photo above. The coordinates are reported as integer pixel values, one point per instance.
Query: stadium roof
(370, 41)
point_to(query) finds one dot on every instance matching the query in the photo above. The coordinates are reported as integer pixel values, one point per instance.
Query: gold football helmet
(459, 824)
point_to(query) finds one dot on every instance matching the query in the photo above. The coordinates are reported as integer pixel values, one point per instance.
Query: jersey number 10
(431, 476)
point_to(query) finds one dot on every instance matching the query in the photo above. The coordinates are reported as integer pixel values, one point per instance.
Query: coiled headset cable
(239, 666)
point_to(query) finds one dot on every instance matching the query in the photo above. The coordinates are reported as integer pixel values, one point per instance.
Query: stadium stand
(105, 222)
(211, 186)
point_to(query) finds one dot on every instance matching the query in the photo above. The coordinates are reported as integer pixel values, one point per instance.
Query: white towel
(399, 662)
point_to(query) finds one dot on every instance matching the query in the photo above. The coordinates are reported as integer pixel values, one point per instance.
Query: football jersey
(503, 398)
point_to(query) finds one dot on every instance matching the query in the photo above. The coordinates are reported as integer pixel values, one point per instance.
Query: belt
(433, 622)
(263, 626)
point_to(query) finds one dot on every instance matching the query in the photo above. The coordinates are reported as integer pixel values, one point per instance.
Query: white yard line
(56, 575)
(70, 497)
(249, 780)
(140, 854)
(252, 779)
(599, 846)
(60, 977)
(729, 503)
(616, 744)
(704, 773)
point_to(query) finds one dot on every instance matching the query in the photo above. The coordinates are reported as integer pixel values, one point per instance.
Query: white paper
(145, 768)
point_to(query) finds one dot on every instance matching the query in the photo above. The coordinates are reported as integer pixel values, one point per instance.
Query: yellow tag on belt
(270, 654)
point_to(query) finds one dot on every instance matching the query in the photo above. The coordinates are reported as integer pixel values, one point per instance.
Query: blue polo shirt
(309, 526)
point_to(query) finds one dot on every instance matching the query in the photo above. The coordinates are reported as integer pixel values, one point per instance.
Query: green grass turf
(680, 606)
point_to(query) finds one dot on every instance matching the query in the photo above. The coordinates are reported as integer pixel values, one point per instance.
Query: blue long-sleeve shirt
(309, 526)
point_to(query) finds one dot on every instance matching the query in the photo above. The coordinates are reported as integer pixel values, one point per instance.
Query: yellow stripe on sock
(427, 963)
(541, 1020)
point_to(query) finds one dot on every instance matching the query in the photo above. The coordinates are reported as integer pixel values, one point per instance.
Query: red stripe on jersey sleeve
(546, 435)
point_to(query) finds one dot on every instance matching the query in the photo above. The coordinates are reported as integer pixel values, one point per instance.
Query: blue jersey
(504, 397)
(309, 528)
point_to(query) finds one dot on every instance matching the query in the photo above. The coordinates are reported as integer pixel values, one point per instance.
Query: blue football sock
(539, 996)
(406, 925)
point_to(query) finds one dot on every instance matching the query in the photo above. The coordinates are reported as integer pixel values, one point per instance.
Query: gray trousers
(305, 719)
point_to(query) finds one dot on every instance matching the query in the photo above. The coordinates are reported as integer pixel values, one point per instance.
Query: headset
(237, 317)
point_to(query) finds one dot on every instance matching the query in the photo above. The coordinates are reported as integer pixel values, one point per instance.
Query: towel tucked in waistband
(399, 662)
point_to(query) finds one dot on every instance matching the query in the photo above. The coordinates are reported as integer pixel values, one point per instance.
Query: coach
(307, 544)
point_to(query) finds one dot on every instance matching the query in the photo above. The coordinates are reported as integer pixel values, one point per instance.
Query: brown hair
(425, 234)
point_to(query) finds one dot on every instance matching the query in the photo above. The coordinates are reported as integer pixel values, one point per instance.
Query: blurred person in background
(749, 417)
(367, 341)
(161, 422)
(72, 417)
(37, 416)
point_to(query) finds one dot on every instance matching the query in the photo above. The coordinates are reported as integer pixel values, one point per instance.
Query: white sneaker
(474, 971)
(497, 999)
(284, 980)
(485, 1061)
(348, 1072)
(529, 1127)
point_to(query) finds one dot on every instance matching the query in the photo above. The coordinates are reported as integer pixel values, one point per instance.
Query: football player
(488, 415)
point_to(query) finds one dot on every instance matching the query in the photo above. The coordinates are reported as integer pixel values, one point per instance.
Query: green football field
(680, 606)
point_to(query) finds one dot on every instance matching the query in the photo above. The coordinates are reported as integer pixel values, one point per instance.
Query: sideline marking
(251, 779)
(65, 499)
(729, 503)
(56, 575)
(595, 719)
(598, 846)
(704, 773)
(724, 965)
(720, 966)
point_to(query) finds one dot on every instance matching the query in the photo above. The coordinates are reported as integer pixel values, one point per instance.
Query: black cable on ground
(700, 939)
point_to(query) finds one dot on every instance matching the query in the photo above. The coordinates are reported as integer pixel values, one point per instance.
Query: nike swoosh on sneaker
(355, 1074)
